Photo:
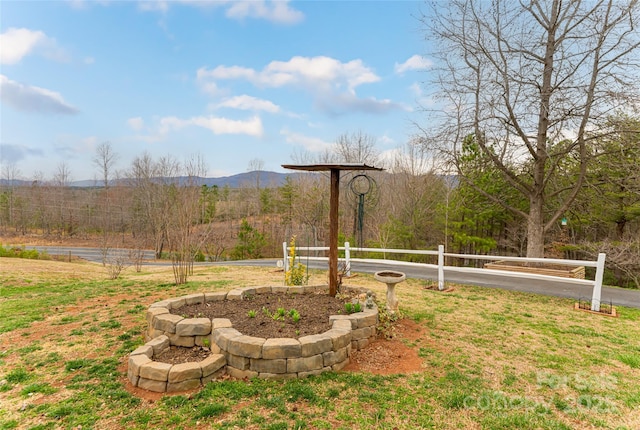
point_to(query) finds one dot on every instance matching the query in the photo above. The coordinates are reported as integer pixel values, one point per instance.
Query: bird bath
(391, 278)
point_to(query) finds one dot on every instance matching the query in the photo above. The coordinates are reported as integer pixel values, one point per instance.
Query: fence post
(286, 260)
(440, 267)
(597, 284)
(347, 259)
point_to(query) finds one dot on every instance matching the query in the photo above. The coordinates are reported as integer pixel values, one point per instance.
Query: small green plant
(206, 342)
(297, 273)
(295, 315)
(351, 308)
(386, 321)
(251, 314)
(281, 312)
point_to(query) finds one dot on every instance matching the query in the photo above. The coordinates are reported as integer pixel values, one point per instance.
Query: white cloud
(309, 72)
(415, 62)
(250, 127)
(246, 102)
(276, 11)
(16, 43)
(136, 123)
(311, 144)
(33, 99)
(331, 82)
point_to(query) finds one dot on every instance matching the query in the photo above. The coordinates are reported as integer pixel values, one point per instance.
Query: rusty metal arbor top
(335, 169)
(330, 166)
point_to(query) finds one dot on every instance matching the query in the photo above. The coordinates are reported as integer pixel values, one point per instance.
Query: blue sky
(232, 81)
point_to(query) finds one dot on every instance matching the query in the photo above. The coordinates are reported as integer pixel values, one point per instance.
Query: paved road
(558, 287)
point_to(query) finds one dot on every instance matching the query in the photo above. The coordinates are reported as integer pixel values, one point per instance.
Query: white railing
(346, 261)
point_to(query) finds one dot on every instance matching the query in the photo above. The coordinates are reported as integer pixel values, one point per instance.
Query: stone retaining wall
(240, 355)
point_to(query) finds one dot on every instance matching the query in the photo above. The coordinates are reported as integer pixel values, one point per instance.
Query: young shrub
(297, 273)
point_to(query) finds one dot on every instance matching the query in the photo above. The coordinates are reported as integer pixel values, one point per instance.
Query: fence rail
(596, 283)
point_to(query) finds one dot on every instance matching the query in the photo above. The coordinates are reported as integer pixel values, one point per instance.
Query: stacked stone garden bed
(239, 354)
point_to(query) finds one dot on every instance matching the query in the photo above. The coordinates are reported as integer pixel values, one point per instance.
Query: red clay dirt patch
(390, 356)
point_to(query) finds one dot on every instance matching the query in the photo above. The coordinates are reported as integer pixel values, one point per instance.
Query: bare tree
(10, 173)
(61, 181)
(152, 183)
(185, 237)
(104, 160)
(532, 82)
(356, 147)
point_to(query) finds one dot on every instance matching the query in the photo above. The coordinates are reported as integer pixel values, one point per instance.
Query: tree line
(529, 146)
(410, 205)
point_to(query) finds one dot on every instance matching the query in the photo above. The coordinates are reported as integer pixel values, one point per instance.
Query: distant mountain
(267, 179)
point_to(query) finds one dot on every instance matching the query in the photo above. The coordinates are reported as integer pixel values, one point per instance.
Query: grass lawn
(492, 359)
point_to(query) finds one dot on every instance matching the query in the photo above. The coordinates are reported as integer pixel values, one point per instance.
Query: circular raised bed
(239, 355)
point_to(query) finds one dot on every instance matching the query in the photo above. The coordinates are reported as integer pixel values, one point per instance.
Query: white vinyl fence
(346, 262)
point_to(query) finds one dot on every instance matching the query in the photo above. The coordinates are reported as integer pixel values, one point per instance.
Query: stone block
(343, 322)
(248, 292)
(159, 344)
(246, 346)
(309, 289)
(340, 338)
(135, 362)
(189, 384)
(176, 303)
(152, 333)
(262, 290)
(185, 371)
(236, 294)
(193, 327)
(222, 336)
(362, 343)
(212, 364)
(143, 350)
(315, 344)
(152, 312)
(155, 370)
(260, 365)
(332, 357)
(281, 348)
(194, 299)
(134, 380)
(220, 323)
(153, 385)
(304, 364)
(361, 333)
(167, 322)
(369, 319)
(339, 366)
(215, 296)
(241, 374)
(160, 304)
(237, 361)
(177, 340)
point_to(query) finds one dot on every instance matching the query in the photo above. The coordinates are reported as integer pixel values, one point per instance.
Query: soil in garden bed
(179, 354)
(271, 315)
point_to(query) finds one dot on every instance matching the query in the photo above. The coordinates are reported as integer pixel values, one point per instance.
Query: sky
(232, 81)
